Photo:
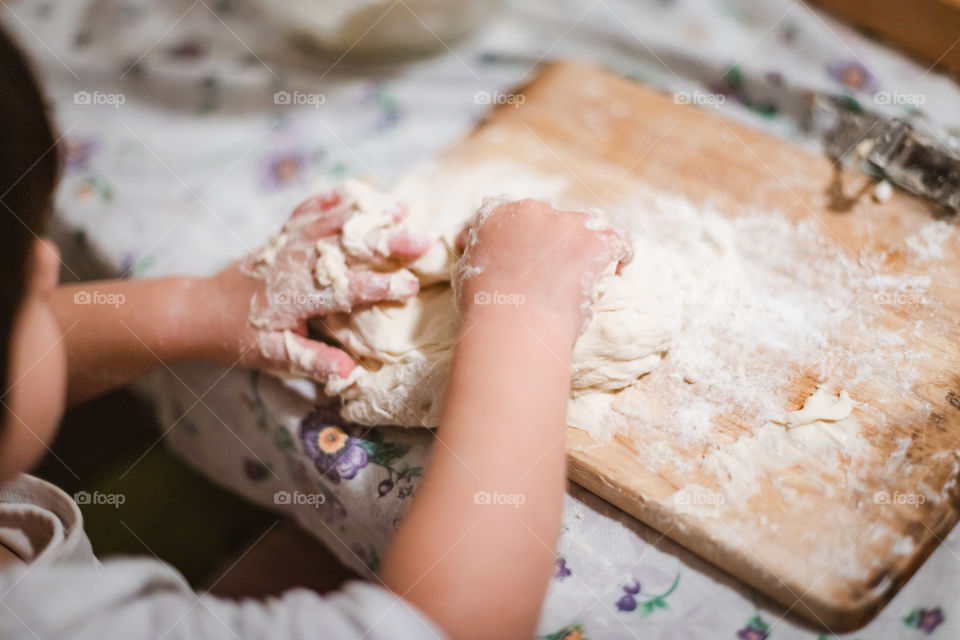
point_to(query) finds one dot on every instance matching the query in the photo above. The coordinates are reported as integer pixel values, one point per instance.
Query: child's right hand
(528, 255)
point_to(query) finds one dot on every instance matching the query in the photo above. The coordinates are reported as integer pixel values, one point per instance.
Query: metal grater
(907, 158)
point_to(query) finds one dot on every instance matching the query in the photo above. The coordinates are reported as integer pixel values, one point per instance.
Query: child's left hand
(263, 301)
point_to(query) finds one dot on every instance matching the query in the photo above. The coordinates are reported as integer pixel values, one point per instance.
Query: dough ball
(405, 348)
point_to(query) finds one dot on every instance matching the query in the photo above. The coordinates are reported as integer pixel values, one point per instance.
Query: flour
(745, 307)
(931, 241)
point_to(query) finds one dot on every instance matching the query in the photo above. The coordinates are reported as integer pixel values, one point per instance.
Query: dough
(821, 406)
(405, 349)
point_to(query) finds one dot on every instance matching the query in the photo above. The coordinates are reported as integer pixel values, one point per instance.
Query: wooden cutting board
(813, 535)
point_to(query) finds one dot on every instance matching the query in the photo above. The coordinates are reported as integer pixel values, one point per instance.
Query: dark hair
(28, 174)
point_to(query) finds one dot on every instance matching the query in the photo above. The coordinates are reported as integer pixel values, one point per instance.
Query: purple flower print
(351, 460)
(925, 619)
(852, 74)
(77, 153)
(751, 633)
(647, 603)
(337, 455)
(283, 168)
(405, 483)
(756, 629)
(929, 619)
(627, 603)
(562, 570)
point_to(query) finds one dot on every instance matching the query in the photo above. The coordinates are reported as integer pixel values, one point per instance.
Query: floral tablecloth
(180, 157)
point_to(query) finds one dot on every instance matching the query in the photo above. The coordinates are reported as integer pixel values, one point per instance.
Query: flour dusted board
(813, 530)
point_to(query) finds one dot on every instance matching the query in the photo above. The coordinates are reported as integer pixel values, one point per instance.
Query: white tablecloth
(179, 160)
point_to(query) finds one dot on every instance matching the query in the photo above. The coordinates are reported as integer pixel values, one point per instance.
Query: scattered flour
(763, 305)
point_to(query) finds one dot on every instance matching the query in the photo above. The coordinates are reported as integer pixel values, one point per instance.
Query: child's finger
(399, 244)
(371, 286)
(326, 224)
(316, 359)
(318, 203)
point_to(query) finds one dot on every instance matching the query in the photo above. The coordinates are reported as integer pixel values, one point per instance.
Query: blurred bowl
(380, 28)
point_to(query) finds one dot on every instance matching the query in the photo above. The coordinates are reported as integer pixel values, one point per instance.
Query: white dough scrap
(300, 356)
(821, 406)
(331, 271)
(371, 207)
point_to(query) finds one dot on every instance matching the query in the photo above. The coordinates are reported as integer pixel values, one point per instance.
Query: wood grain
(831, 552)
(929, 29)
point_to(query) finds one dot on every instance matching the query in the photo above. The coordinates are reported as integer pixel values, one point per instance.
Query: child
(502, 427)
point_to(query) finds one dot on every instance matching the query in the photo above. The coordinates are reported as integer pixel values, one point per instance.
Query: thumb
(311, 358)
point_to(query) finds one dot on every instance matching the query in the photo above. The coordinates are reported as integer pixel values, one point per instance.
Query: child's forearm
(481, 567)
(115, 330)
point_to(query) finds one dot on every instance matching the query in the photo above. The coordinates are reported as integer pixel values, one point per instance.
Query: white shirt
(61, 592)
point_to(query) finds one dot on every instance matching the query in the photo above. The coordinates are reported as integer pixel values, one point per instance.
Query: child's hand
(526, 254)
(322, 262)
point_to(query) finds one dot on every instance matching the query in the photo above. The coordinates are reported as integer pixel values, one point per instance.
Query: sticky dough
(405, 349)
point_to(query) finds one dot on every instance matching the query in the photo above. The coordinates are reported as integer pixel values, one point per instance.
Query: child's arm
(116, 330)
(479, 567)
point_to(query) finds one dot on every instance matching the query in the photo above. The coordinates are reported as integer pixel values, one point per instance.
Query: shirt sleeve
(146, 600)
